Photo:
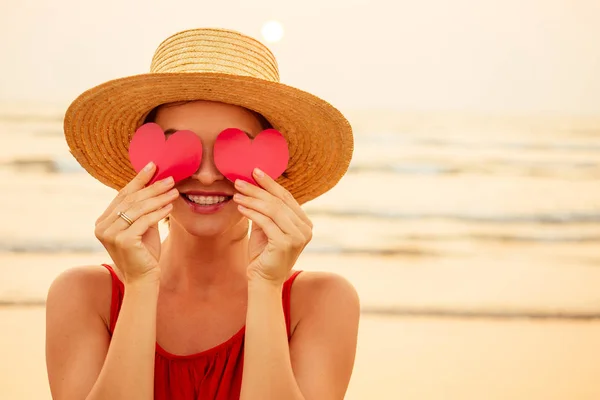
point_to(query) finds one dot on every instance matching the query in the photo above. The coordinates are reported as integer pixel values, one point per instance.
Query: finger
(116, 223)
(276, 210)
(141, 179)
(269, 186)
(142, 224)
(130, 200)
(299, 217)
(159, 189)
(263, 222)
(138, 182)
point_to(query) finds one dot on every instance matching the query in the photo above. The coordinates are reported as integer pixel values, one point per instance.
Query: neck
(189, 262)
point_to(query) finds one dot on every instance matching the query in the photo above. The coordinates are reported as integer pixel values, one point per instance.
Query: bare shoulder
(87, 287)
(326, 313)
(309, 284)
(325, 294)
(77, 334)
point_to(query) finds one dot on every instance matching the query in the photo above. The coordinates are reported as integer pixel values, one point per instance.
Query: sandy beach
(398, 358)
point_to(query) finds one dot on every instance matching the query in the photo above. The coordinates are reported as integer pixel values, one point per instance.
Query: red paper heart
(236, 155)
(178, 156)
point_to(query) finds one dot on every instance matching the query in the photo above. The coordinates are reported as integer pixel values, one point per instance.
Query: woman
(209, 313)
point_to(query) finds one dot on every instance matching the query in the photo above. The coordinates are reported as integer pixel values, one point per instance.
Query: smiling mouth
(206, 200)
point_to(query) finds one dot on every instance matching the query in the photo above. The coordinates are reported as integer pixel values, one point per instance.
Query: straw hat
(216, 65)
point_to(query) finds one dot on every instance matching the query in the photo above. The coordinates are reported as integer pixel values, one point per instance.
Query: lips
(206, 202)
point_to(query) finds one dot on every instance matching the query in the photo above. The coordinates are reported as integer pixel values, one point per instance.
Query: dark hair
(264, 123)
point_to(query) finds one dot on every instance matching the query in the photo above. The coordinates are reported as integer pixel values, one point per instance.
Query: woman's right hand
(135, 248)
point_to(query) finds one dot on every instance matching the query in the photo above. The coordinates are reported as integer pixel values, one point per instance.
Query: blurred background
(469, 221)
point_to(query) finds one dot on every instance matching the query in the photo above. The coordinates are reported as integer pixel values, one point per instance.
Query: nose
(207, 173)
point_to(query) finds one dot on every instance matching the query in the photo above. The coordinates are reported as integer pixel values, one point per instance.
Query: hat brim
(99, 124)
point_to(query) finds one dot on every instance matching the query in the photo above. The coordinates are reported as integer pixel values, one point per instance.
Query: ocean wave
(506, 238)
(414, 139)
(412, 245)
(49, 246)
(404, 168)
(31, 117)
(540, 218)
(54, 165)
(400, 139)
(584, 147)
(568, 147)
(41, 246)
(582, 170)
(486, 314)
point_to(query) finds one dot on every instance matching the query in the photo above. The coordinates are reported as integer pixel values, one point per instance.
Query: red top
(214, 374)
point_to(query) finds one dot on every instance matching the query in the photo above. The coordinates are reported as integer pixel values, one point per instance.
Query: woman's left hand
(280, 228)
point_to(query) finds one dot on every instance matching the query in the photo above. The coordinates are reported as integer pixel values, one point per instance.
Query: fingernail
(149, 166)
(258, 172)
(238, 196)
(240, 182)
(167, 181)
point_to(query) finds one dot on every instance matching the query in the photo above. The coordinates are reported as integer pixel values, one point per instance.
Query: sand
(398, 358)
(505, 356)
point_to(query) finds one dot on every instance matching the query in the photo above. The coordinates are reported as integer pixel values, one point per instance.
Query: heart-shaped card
(236, 155)
(178, 156)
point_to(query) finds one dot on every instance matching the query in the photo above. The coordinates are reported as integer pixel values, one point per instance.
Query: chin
(210, 224)
(205, 230)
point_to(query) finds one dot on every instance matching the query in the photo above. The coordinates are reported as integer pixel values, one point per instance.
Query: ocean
(479, 201)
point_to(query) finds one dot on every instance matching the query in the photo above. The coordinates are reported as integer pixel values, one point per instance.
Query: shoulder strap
(116, 298)
(287, 289)
(118, 290)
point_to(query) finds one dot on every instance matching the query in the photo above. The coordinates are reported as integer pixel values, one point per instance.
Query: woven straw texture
(215, 65)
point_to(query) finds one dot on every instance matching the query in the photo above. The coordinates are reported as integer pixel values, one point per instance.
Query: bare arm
(267, 369)
(323, 346)
(317, 364)
(82, 361)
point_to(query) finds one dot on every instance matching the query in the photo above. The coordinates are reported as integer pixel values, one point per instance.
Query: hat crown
(215, 51)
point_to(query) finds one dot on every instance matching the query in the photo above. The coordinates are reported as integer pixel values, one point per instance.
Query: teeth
(206, 200)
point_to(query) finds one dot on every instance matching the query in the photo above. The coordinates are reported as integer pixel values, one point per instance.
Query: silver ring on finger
(125, 217)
